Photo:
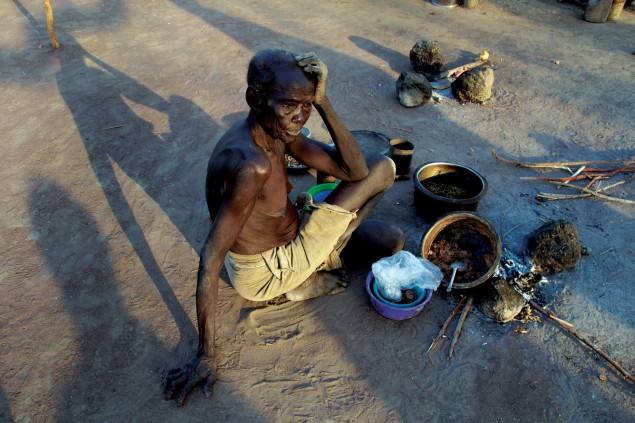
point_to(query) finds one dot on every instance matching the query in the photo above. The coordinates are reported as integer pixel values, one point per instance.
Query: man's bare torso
(273, 220)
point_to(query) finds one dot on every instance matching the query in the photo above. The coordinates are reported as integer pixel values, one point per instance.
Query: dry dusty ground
(105, 144)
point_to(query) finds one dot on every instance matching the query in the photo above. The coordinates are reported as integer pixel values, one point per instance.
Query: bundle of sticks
(594, 173)
(457, 330)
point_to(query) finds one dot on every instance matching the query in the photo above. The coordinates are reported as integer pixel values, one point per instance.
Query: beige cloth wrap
(317, 246)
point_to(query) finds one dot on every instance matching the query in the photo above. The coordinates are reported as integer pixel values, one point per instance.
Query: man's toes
(279, 300)
(337, 290)
(340, 274)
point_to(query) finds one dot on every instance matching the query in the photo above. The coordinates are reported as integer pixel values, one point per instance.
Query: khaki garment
(317, 246)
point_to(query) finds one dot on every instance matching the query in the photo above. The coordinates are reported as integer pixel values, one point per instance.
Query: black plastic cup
(401, 152)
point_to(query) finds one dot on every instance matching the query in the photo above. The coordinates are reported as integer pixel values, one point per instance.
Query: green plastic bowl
(321, 191)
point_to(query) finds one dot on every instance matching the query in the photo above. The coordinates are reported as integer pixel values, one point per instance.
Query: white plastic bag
(404, 270)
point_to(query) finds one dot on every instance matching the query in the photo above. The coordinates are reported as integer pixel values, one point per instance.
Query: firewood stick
(568, 178)
(547, 196)
(570, 330)
(595, 193)
(559, 165)
(455, 72)
(607, 174)
(50, 25)
(591, 182)
(459, 326)
(626, 168)
(445, 326)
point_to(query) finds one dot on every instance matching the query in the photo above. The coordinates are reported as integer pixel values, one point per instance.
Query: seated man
(256, 231)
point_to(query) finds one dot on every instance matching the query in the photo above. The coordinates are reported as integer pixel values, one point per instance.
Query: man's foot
(320, 284)
(276, 301)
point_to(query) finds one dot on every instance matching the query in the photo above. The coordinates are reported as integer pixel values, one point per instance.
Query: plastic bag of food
(402, 271)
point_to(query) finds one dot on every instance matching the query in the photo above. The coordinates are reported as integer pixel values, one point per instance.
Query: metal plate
(372, 142)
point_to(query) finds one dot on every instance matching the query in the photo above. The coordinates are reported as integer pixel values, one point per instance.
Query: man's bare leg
(375, 236)
(373, 239)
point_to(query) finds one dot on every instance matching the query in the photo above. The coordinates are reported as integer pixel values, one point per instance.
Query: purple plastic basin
(391, 311)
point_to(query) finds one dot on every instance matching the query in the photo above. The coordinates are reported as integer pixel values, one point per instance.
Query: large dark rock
(426, 57)
(555, 246)
(499, 301)
(413, 89)
(474, 86)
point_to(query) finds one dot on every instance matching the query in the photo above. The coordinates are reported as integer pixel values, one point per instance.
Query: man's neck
(260, 137)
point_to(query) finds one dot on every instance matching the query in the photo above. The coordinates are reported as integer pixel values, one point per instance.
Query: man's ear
(254, 99)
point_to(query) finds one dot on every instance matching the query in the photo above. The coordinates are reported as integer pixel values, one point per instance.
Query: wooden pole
(50, 25)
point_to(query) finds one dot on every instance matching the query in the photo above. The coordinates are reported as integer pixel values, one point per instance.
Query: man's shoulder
(239, 157)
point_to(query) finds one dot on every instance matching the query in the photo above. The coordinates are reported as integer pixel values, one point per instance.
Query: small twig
(558, 165)
(592, 181)
(554, 197)
(570, 330)
(402, 129)
(489, 106)
(112, 127)
(607, 251)
(515, 227)
(596, 194)
(445, 326)
(459, 326)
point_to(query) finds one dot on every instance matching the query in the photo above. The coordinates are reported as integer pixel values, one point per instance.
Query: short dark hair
(261, 72)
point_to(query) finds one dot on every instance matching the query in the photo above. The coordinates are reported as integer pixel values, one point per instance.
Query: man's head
(279, 93)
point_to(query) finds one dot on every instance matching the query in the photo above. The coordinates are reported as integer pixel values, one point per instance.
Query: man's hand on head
(312, 64)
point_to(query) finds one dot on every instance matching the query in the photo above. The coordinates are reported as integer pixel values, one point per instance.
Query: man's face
(287, 104)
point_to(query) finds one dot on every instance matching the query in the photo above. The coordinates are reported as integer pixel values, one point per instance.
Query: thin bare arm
(239, 200)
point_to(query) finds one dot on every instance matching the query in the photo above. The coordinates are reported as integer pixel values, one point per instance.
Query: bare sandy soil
(105, 146)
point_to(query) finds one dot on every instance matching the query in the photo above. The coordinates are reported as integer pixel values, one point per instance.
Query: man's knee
(383, 169)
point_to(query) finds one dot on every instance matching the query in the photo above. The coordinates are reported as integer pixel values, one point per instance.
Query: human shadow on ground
(106, 349)
(116, 138)
(5, 411)
(106, 369)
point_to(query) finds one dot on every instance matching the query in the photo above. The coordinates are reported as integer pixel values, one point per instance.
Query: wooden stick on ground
(547, 196)
(445, 326)
(455, 72)
(50, 25)
(559, 165)
(570, 330)
(595, 193)
(605, 175)
(459, 326)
